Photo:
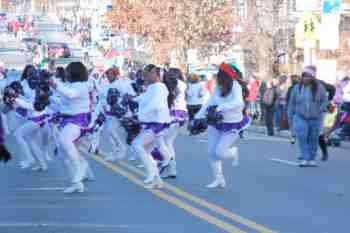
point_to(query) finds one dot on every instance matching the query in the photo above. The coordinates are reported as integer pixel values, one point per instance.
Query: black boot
(5, 155)
(324, 147)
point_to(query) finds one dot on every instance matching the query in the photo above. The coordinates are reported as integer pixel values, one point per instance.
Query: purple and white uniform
(75, 117)
(178, 113)
(222, 137)
(154, 116)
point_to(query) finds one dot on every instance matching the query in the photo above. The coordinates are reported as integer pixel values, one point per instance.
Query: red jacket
(253, 87)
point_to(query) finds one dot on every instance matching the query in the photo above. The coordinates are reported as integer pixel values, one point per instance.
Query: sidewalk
(253, 128)
(262, 130)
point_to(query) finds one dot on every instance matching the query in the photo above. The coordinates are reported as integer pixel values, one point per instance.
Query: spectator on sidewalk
(295, 79)
(339, 92)
(269, 101)
(262, 90)
(307, 105)
(346, 96)
(281, 103)
(253, 87)
(195, 95)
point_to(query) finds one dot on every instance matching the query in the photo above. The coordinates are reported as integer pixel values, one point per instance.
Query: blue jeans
(253, 107)
(307, 132)
(280, 110)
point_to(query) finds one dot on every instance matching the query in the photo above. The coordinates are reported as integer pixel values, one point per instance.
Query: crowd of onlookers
(268, 100)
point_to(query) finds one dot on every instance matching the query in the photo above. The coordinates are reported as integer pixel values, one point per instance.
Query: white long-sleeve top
(180, 100)
(55, 99)
(231, 105)
(24, 103)
(195, 93)
(74, 97)
(153, 104)
(122, 85)
(29, 94)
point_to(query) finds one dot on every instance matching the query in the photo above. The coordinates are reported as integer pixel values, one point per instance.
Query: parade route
(266, 193)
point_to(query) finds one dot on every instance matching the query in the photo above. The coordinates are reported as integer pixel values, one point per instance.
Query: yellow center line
(171, 199)
(204, 203)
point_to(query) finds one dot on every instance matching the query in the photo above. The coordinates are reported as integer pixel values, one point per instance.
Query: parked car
(59, 50)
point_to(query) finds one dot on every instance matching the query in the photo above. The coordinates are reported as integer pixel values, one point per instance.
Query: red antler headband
(228, 70)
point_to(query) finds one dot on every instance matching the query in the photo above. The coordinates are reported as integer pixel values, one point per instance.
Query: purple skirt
(55, 118)
(22, 112)
(155, 127)
(234, 127)
(40, 120)
(156, 154)
(82, 120)
(178, 116)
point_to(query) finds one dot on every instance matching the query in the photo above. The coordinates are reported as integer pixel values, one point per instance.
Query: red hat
(228, 70)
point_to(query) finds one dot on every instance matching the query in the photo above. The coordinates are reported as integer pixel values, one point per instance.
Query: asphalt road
(266, 193)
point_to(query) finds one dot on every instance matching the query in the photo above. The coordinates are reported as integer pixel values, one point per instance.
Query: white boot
(151, 169)
(95, 143)
(131, 154)
(68, 166)
(110, 158)
(87, 173)
(75, 188)
(41, 167)
(27, 164)
(170, 171)
(157, 182)
(219, 181)
(77, 171)
(233, 155)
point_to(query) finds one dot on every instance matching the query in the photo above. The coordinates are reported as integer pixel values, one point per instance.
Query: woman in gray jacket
(306, 108)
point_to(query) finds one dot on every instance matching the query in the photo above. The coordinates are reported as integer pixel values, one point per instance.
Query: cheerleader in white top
(224, 112)
(30, 136)
(18, 116)
(3, 84)
(124, 85)
(50, 130)
(174, 81)
(112, 127)
(98, 92)
(195, 95)
(154, 116)
(74, 118)
(23, 128)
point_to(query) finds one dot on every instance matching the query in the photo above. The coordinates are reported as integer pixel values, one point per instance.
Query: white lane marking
(202, 140)
(73, 198)
(72, 225)
(37, 207)
(284, 161)
(43, 189)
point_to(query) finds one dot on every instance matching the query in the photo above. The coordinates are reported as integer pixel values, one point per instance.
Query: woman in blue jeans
(307, 105)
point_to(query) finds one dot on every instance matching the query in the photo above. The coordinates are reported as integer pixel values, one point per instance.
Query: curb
(262, 130)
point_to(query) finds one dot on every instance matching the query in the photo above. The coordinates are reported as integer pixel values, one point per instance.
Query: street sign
(307, 30)
(329, 30)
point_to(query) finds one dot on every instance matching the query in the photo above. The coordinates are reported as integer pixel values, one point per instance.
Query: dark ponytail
(245, 90)
(170, 80)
